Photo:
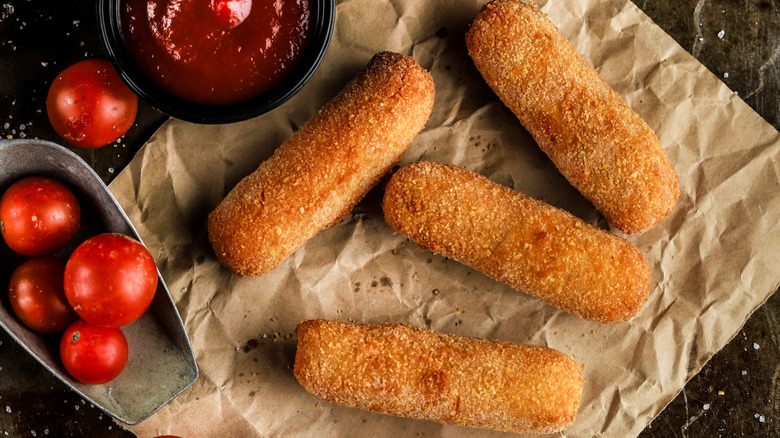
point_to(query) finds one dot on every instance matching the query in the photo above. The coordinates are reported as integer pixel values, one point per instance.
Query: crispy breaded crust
(315, 178)
(595, 139)
(526, 243)
(409, 372)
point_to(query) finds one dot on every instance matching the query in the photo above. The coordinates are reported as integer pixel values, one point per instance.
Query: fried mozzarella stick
(528, 244)
(595, 139)
(405, 371)
(315, 178)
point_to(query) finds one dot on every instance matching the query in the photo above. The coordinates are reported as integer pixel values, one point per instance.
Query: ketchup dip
(216, 51)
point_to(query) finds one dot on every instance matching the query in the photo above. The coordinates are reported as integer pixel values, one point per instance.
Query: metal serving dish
(161, 363)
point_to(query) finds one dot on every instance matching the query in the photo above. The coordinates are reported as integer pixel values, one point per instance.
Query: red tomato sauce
(190, 49)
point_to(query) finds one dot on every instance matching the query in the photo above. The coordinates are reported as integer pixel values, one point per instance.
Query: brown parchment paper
(714, 259)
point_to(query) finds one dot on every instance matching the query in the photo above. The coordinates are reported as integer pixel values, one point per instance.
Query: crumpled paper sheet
(714, 258)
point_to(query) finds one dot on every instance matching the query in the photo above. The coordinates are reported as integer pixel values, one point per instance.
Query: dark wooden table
(736, 394)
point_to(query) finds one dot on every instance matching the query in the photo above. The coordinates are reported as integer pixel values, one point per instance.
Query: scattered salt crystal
(744, 372)
(726, 74)
(44, 64)
(755, 346)
(110, 170)
(22, 135)
(77, 407)
(46, 431)
(33, 433)
(756, 415)
(7, 125)
(706, 406)
(22, 127)
(721, 34)
(76, 22)
(8, 409)
(701, 39)
(762, 419)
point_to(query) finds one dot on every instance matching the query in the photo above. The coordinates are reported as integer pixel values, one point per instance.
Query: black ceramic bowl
(109, 16)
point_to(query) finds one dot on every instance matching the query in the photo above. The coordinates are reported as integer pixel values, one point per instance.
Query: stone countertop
(736, 394)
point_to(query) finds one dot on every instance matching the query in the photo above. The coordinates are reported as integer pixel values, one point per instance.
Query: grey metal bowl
(161, 362)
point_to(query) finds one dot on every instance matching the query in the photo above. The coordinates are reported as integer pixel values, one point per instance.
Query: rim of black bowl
(109, 22)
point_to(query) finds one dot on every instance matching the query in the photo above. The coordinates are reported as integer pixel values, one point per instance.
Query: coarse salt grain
(756, 346)
(721, 34)
(706, 406)
(744, 372)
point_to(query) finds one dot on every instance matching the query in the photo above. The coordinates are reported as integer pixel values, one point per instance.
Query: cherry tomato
(93, 354)
(37, 295)
(89, 105)
(38, 216)
(231, 13)
(110, 280)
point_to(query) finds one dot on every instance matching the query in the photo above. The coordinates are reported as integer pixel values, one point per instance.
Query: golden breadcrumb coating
(405, 371)
(595, 139)
(526, 243)
(318, 175)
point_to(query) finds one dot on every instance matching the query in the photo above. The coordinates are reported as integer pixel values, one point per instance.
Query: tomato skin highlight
(37, 295)
(91, 354)
(38, 216)
(110, 280)
(89, 105)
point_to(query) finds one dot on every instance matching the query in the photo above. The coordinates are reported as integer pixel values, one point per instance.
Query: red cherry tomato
(37, 296)
(231, 13)
(93, 354)
(89, 105)
(38, 216)
(110, 280)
